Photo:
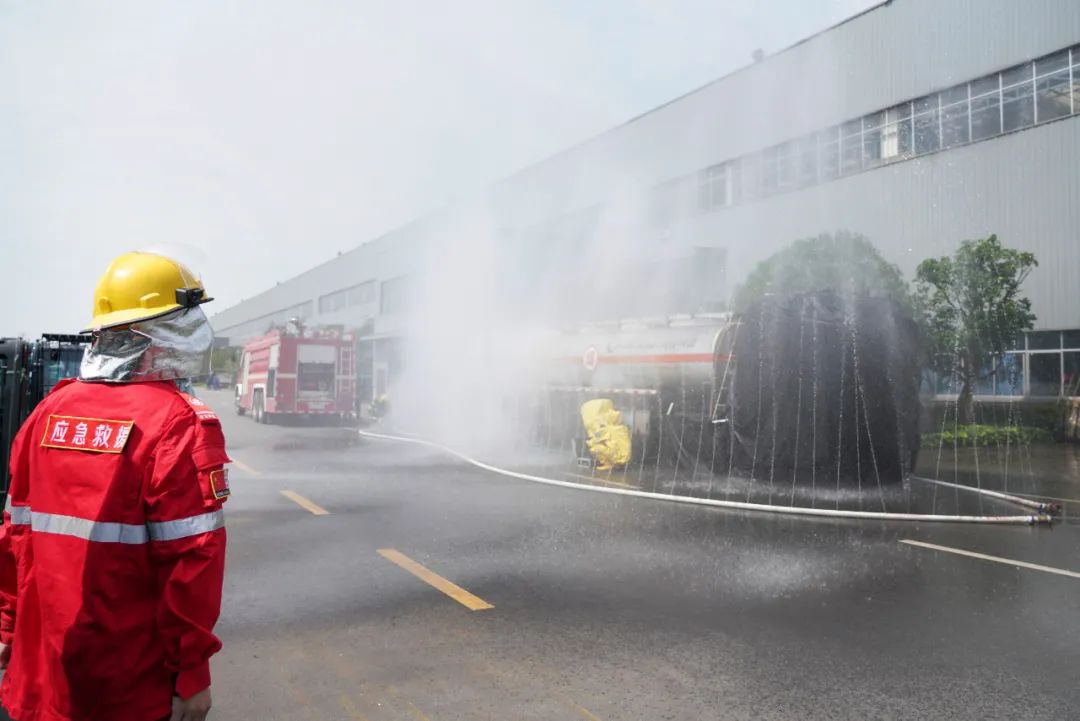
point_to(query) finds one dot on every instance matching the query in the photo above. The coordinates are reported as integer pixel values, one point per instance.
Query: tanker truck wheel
(258, 412)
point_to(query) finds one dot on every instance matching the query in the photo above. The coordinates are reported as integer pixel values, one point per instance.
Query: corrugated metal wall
(1025, 187)
(1021, 186)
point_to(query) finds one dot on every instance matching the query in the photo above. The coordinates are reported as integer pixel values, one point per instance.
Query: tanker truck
(798, 385)
(669, 377)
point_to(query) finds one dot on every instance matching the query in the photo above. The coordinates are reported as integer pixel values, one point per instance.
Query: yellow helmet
(140, 286)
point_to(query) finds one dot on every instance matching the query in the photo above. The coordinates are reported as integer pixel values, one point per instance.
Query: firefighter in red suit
(113, 544)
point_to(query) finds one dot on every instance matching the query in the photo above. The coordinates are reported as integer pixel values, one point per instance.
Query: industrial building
(917, 123)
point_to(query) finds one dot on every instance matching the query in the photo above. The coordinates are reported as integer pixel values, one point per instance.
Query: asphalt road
(612, 608)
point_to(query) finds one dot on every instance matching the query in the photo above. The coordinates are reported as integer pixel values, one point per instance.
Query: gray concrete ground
(612, 608)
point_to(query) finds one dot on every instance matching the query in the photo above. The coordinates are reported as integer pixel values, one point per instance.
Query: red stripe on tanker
(642, 354)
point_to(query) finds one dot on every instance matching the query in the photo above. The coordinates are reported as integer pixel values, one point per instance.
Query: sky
(253, 140)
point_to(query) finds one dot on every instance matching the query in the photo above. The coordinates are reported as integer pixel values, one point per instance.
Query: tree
(844, 262)
(972, 310)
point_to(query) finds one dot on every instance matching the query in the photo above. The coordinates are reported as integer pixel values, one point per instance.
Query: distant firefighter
(609, 438)
(380, 407)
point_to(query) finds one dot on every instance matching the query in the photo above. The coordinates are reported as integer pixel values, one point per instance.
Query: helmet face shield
(170, 347)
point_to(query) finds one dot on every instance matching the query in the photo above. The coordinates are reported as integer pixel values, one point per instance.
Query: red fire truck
(297, 372)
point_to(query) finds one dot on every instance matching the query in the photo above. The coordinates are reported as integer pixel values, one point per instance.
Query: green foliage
(972, 300)
(1045, 416)
(986, 435)
(971, 308)
(844, 262)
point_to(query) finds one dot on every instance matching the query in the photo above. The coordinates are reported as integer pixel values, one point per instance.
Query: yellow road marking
(459, 594)
(416, 712)
(588, 714)
(420, 715)
(245, 467)
(305, 503)
(995, 559)
(298, 696)
(350, 708)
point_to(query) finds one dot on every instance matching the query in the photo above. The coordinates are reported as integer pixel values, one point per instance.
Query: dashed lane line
(245, 467)
(304, 503)
(995, 559)
(587, 714)
(409, 705)
(459, 594)
(350, 708)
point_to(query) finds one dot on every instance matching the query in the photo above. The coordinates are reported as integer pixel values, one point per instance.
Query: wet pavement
(613, 608)
(1049, 471)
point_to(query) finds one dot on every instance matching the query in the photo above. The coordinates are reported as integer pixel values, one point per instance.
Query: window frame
(881, 135)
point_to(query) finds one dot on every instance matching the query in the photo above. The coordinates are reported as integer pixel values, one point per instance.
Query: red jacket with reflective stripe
(112, 553)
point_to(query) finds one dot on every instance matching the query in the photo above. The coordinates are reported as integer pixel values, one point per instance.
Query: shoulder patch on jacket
(202, 411)
(219, 483)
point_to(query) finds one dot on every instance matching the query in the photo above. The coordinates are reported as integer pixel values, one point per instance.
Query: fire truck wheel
(257, 411)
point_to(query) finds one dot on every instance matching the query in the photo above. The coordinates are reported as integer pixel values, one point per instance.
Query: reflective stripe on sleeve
(84, 528)
(186, 527)
(20, 515)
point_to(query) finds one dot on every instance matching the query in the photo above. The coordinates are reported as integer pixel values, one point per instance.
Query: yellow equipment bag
(609, 438)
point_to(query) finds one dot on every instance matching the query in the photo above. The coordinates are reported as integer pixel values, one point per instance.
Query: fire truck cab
(297, 372)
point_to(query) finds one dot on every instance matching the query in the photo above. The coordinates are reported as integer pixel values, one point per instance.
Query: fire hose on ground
(1043, 517)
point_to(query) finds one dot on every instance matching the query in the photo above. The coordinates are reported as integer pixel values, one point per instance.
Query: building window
(1017, 98)
(785, 166)
(301, 311)
(1053, 96)
(1009, 375)
(1070, 376)
(896, 137)
(361, 294)
(851, 147)
(871, 132)
(955, 123)
(770, 174)
(332, 302)
(986, 107)
(829, 149)
(354, 295)
(1034, 92)
(1044, 374)
(394, 296)
(808, 161)
(1044, 340)
(927, 125)
(749, 179)
(716, 184)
